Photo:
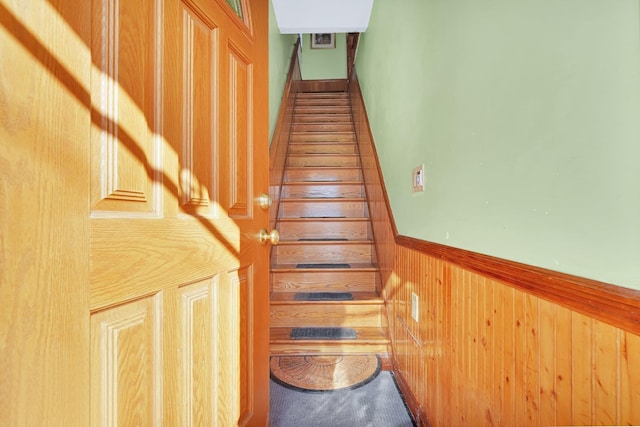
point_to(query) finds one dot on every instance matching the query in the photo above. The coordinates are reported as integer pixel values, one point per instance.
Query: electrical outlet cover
(414, 307)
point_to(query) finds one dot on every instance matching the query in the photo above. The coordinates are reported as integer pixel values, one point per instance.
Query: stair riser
(322, 161)
(303, 253)
(321, 175)
(327, 109)
(321, 137)
(322, 127)
(322, 101)
(320, 315)
(324, 281)
(327, 347)
(314, 95)
(318, 191)
(327, 148)
(322, 118)
(350, 230)
(322, 209)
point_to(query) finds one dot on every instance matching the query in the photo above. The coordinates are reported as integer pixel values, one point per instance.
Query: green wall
(280, 50)
(526, 115)
(321, 64)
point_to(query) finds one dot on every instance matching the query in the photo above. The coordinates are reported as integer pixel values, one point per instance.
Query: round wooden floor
(324, 372)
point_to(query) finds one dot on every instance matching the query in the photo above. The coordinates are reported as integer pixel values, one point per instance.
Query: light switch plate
(417, 176)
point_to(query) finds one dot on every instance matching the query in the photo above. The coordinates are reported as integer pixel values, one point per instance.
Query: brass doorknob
(273, 237)
(264, 201)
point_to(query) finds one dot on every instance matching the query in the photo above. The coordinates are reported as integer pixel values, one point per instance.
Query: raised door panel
(125, 87)
(234, 341)
(126, 360)
(238, 164)
(196, 358)
(200, 121)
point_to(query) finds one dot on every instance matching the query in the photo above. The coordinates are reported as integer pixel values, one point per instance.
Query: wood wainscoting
(500, 343)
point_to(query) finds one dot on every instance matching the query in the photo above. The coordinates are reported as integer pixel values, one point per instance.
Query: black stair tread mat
(311, 265)
(323, 334)
(324, 239)
(323, 217)
(323, 296)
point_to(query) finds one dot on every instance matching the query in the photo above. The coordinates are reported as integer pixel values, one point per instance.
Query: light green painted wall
(526, 115)
(280, 51)
(321, 64)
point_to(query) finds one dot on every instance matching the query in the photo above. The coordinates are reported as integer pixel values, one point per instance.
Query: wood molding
(354, 86)
(275, 141)
(280, 138)
(417, 412)
(611, 304)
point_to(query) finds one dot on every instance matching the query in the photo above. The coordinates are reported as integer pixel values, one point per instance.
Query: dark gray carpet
(377, 404)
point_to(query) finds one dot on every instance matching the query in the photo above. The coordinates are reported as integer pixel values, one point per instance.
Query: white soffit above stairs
(322, 16)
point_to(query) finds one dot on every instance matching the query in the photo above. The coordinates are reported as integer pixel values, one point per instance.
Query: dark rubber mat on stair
(323, 296)
(324, 240)
(323, 334)
(323, 266)
(324, 217)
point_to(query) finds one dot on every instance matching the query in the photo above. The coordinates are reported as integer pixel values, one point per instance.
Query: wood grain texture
(45, 122)
(608, 303)
(513, 358)
(124, 151)
(339, 85)
(500, 343)
(126, 350)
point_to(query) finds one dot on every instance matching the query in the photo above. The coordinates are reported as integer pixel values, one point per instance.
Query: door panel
(125, 53)
(240, 141)
(126, 364)
(199, 139)
(197, 343)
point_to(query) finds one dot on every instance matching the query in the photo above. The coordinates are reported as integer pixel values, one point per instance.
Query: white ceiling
(322, 16)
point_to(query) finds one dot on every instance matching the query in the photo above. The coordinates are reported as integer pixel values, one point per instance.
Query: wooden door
(133, 144)
(178, 290)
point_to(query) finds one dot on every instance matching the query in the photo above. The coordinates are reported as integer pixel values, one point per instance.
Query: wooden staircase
(326, 243)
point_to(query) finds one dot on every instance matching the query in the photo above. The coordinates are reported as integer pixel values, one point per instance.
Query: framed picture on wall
(323, 41)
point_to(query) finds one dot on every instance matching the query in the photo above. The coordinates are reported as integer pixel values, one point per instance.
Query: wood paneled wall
(280, 140)
(490, 347)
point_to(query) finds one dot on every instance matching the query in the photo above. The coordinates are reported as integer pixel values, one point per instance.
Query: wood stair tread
(321, 219)
(323, 199)
(327, 183)
(321, 155)
(288, 298)
(326, 242)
